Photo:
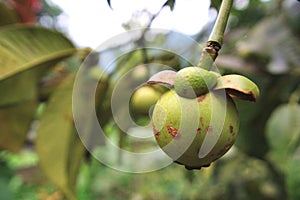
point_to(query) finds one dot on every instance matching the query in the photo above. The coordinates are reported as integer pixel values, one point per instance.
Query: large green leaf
(58, 145)
(23, 47)
(283, 132)
(25, 52)
(15, 122)
(26, 89)
(293, 175)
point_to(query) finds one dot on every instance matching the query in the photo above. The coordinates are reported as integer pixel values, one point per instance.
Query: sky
(91, 22)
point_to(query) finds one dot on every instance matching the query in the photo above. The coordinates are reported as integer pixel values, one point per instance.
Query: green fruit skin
(191, 82)
(168, 116)
(142, 100)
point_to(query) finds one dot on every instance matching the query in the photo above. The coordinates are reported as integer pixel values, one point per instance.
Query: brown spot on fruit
(155, 131)
(173, 131)
(201, 98)
(199, 130)
(231, 129)
(202, 121)
(209, 129)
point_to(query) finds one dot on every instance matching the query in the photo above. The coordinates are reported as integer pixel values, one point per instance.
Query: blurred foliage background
(41, 156)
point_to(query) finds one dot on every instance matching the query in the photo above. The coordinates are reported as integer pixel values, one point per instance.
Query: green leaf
(25, 53)
(283, 132)
(15, 124)
(293, 176)
(26, 90)
(283, 126)
(23, 47)
(58, 146)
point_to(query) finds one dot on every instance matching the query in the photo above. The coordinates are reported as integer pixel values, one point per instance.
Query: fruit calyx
(238, 86)
(192, 82)
(189, 82)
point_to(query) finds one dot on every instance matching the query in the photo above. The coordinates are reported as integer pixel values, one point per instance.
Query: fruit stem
(215, 40)
(217, 33)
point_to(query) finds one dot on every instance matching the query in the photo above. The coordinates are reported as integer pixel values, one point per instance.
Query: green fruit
(192, 82)
(143, 98)
(195, 132)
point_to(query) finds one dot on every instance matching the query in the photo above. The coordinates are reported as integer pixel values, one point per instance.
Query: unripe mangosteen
(181, 126)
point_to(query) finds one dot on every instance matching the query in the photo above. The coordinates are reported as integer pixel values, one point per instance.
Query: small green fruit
(192, 82)
(141, 101)
(195, 132)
